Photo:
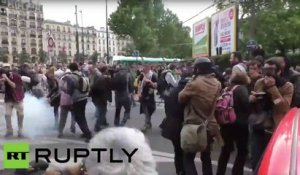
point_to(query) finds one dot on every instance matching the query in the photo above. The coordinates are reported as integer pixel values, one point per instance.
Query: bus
(131, 60)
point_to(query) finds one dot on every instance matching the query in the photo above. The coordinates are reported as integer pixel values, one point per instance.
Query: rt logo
(16, 155)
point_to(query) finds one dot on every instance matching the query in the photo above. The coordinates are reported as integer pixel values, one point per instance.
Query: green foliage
(156, 32)
(222, 60)
(42, 56)
(62, 57)
(24, 57)
(3, 56)
(94, 57)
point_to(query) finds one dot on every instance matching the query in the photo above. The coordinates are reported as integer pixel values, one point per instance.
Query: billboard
(224, 30)
(201, 38)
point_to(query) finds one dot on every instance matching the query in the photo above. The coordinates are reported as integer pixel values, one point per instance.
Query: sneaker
(146, 128)
(8, 134)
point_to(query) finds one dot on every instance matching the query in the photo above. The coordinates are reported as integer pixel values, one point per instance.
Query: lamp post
(82, 39)
(77, 42)
(107, 48)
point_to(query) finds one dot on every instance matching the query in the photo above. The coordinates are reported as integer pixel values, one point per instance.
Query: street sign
(251, 44)
(136, 53)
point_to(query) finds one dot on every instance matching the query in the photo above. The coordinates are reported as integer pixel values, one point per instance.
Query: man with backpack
(78, 88)
(122, 84)
(167, 81)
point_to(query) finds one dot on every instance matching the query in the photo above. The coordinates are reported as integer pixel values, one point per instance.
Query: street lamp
(82, 39)
(107, 56)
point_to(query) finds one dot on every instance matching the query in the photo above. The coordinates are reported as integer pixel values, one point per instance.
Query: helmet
(203, 66)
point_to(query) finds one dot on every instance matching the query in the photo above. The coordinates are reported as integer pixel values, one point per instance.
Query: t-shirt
(147, 90)
(14, 94)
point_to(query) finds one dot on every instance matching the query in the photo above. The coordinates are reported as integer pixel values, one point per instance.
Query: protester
(172, 124)
(54, 94)
(146, 94)
(236, 133)
(199, 96)
(13, 99)
(273, 95)
(79, 93)
(236, 61)
(122, 84)
(101, 94)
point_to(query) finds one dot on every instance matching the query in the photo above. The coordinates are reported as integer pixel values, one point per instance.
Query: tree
(94, 57)
(42, 56)
(3, 55)
(62, 57)
(155, 31)
(24, 57)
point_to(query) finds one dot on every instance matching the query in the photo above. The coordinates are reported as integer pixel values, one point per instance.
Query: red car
(282, 155)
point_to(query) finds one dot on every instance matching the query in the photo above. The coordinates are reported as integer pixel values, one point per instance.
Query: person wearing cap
(14, 95)
(199, 97)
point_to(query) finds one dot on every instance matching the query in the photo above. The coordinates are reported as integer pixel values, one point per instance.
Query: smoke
(38, 117)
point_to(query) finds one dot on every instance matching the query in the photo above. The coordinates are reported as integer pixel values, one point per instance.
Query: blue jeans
(100, 115)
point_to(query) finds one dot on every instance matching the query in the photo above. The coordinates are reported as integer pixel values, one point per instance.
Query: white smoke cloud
(38, 117)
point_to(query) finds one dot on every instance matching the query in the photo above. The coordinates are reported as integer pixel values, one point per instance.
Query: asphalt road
(40, 133)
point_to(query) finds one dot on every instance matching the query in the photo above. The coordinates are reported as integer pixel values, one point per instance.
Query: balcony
(4, 23)
(4, 33)
(23, 35)
(23, 25)
(33, 44)
(23, 17)
(32, 35)
(39, 28)
(13, 16)
(13, 24)
(4, 42)
(23, 44)
(32, 26)
(32, 17)
(40, 18)
(13, 34)
(14, 42)
(40, 36)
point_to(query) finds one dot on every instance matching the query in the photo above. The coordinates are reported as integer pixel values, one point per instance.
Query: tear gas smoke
(38, 117)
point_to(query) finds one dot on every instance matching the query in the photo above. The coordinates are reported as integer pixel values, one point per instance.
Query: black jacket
(174, 111)
(241, 98)
(101, 91)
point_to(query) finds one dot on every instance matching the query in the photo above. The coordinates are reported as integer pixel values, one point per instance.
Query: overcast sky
(94, 10)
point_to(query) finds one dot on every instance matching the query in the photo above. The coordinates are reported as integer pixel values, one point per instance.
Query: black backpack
(119, 82)
(162, 84)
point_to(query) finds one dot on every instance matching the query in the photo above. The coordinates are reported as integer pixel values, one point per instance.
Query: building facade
(21, 25)
(90, 40)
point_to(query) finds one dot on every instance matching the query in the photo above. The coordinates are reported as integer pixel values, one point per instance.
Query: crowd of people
(239, 107)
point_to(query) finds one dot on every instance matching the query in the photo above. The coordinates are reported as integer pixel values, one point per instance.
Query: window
(4, 1)
(58, 28)
(70, 46)
(47, 27)
(88, 46)
(99, 41)
(23, 41)
(69, 30)
(70, 53)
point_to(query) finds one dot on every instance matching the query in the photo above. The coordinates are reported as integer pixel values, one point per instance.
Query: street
(40, 133)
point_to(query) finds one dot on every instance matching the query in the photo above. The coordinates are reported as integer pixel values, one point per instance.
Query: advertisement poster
(201, 38)
(224, 31)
